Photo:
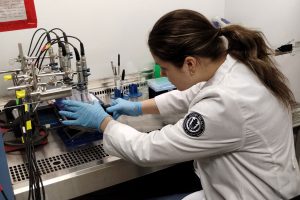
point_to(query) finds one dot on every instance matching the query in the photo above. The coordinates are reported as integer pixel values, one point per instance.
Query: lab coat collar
(222, 71)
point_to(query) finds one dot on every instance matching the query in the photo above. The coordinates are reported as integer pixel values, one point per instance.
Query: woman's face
(193, 71)
(180, 77)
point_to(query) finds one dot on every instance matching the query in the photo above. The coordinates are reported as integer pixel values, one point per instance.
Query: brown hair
(183, 33)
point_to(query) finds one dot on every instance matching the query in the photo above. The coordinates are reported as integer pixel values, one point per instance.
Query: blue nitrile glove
(83, 114)
(123, 107)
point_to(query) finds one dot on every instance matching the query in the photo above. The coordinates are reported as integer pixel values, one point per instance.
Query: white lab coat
(244, 148)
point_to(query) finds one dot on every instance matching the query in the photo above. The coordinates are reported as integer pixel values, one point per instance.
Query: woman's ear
(191, 64)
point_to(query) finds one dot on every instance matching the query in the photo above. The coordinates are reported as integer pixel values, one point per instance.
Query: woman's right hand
(123, 107)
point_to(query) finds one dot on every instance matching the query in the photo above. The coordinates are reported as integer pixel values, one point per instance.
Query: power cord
(3, 193)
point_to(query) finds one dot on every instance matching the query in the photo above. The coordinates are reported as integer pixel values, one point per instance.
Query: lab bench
(68, 173)
(72, 172)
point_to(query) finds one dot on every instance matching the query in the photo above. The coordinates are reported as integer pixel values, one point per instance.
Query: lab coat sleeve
(176, 101)
(223, 133)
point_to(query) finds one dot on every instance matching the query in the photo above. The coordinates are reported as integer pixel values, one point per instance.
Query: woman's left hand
(83, 114)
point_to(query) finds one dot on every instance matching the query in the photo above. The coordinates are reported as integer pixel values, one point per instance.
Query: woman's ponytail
(249, 47)
(182, 33)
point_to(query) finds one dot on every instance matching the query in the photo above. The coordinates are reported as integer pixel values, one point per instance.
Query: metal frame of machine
(43, 75)
(55, 171)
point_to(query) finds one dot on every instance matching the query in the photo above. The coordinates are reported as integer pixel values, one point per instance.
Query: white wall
(279, 21)
(107, 27)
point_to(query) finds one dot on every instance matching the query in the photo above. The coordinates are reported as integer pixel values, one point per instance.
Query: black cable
(76, 54)
(82, 52)
(33, 38)
(18, 144)
(47, 36)
(4, 195)
(36, 187)
(38, 41)
(76, 38)
(38, 175)
(36, 184)
(54, 41)
(75, 51)
(44, 52)
(40, 46)
(32, 170)
(81, 44)
(38, 58)
(57, 37)
(29, 169)
(43, 57)
(64, 34)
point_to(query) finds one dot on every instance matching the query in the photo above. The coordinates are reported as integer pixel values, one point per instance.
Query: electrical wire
(36, 187)
(82, 52)
(17, 143)
(43, 57)
(45, 33)
(42, 54)
(3, 193)
(64, 34)
(54, 41)
(76, 38)
(11, 127)
(34, 36)
(40, 45)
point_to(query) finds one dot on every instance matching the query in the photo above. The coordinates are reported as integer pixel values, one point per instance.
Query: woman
(237, 127)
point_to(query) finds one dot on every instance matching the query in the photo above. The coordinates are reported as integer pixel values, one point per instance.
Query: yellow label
(20, 94)
(28, 125)
(26, 107)
(7, 77)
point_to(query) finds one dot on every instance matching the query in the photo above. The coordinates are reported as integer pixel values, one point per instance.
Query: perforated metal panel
(59, 162)
(108, 90)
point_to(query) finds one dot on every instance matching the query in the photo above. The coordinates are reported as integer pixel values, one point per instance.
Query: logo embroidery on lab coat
(194, 125)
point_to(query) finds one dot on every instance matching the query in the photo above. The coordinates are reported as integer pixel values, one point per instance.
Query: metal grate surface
(59, 162)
